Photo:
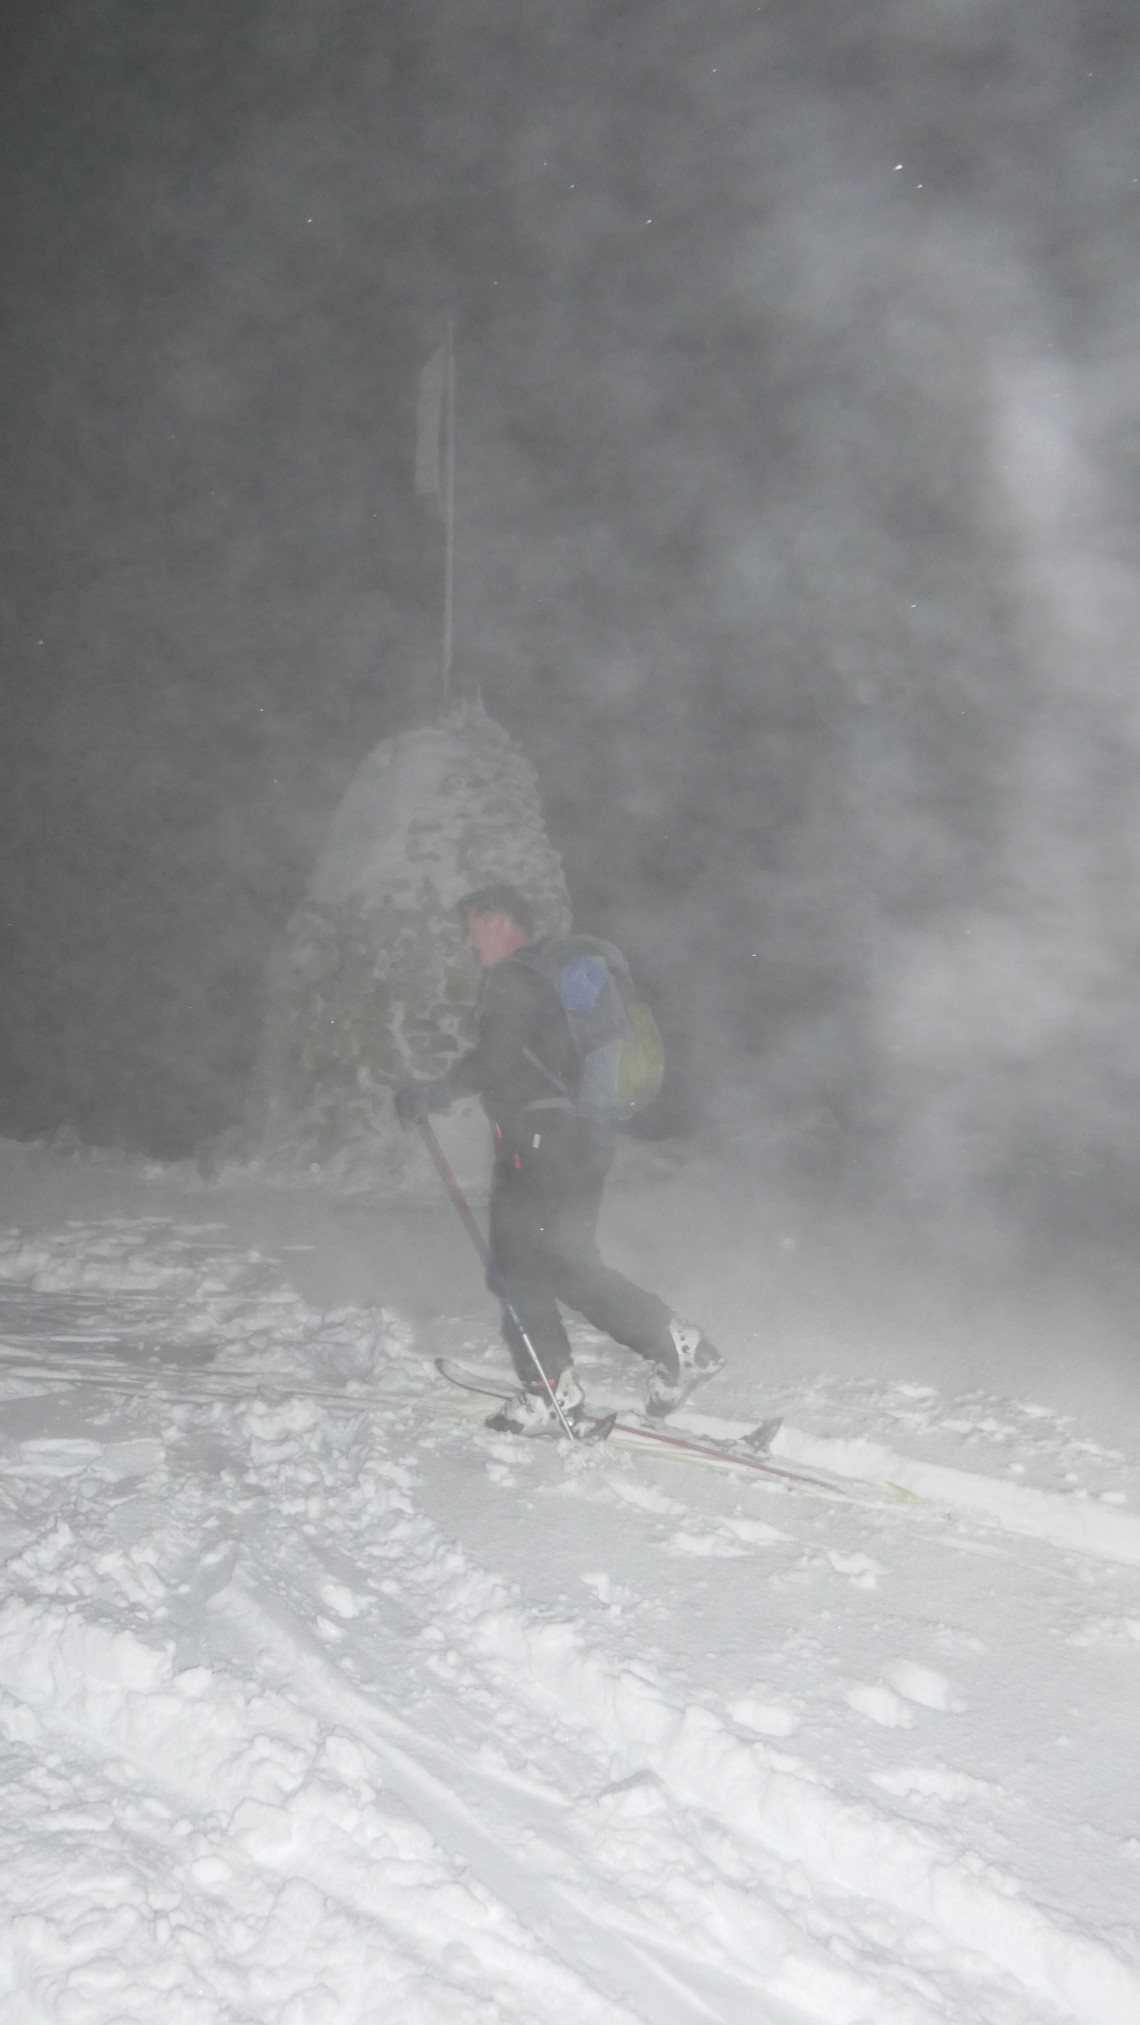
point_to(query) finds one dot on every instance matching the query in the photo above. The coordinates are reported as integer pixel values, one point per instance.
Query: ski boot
(532, 1411)
(687, 1360)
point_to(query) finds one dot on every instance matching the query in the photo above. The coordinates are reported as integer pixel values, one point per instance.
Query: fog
(796, 510)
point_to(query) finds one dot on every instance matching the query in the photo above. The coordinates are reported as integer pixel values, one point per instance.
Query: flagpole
(449, 515)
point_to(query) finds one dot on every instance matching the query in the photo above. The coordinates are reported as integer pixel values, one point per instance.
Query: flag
(429, 424)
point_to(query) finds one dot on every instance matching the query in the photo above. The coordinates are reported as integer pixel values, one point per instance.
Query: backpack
(619, 1044)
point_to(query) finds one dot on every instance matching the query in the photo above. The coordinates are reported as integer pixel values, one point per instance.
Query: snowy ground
(321, 1703)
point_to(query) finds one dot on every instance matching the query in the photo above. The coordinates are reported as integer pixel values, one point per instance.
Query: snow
(320, 1702)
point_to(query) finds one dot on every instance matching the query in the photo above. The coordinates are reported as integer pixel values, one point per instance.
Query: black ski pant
(545, 1200)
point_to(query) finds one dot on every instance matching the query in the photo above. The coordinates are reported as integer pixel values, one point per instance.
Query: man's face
(493, 936)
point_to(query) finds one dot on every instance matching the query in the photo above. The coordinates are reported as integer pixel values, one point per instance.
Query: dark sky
(797, 509)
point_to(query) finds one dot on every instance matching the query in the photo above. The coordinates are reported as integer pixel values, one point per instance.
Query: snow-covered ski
(745, 1452)
(588, 1427)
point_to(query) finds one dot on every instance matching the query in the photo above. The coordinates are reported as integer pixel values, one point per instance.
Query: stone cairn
(372, 982)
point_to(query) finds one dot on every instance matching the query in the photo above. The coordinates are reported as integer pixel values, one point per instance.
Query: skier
(550, 1166)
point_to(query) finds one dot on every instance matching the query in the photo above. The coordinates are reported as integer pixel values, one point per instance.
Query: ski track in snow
(321, 1703)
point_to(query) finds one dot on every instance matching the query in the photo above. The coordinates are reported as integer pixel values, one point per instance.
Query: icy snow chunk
(57, 1456)
(638, 1795)
(268, 1832)
(767, 1719)
(650, 1500)
(46, 1654)
(278, 1421)
(904, 1682)
(879, 1704)
(930, 1782)
(344, 1758)
(121, 1459)
(713, 1545)
(920, 1684)
(212, 1873)
(339, 1597)
(756, 1531)
(610, 1593)
(864, 1572)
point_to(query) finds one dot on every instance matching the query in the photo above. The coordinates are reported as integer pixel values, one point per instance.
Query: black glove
(415, 1100)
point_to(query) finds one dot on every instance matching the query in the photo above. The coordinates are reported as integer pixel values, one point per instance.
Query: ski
(744, 1452)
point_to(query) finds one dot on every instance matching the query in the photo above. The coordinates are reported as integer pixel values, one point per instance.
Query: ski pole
(495, 1279)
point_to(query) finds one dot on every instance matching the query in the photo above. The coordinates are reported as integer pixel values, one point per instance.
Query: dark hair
(497, 897)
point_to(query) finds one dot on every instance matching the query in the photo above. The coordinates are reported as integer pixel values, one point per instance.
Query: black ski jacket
(524, 1064)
